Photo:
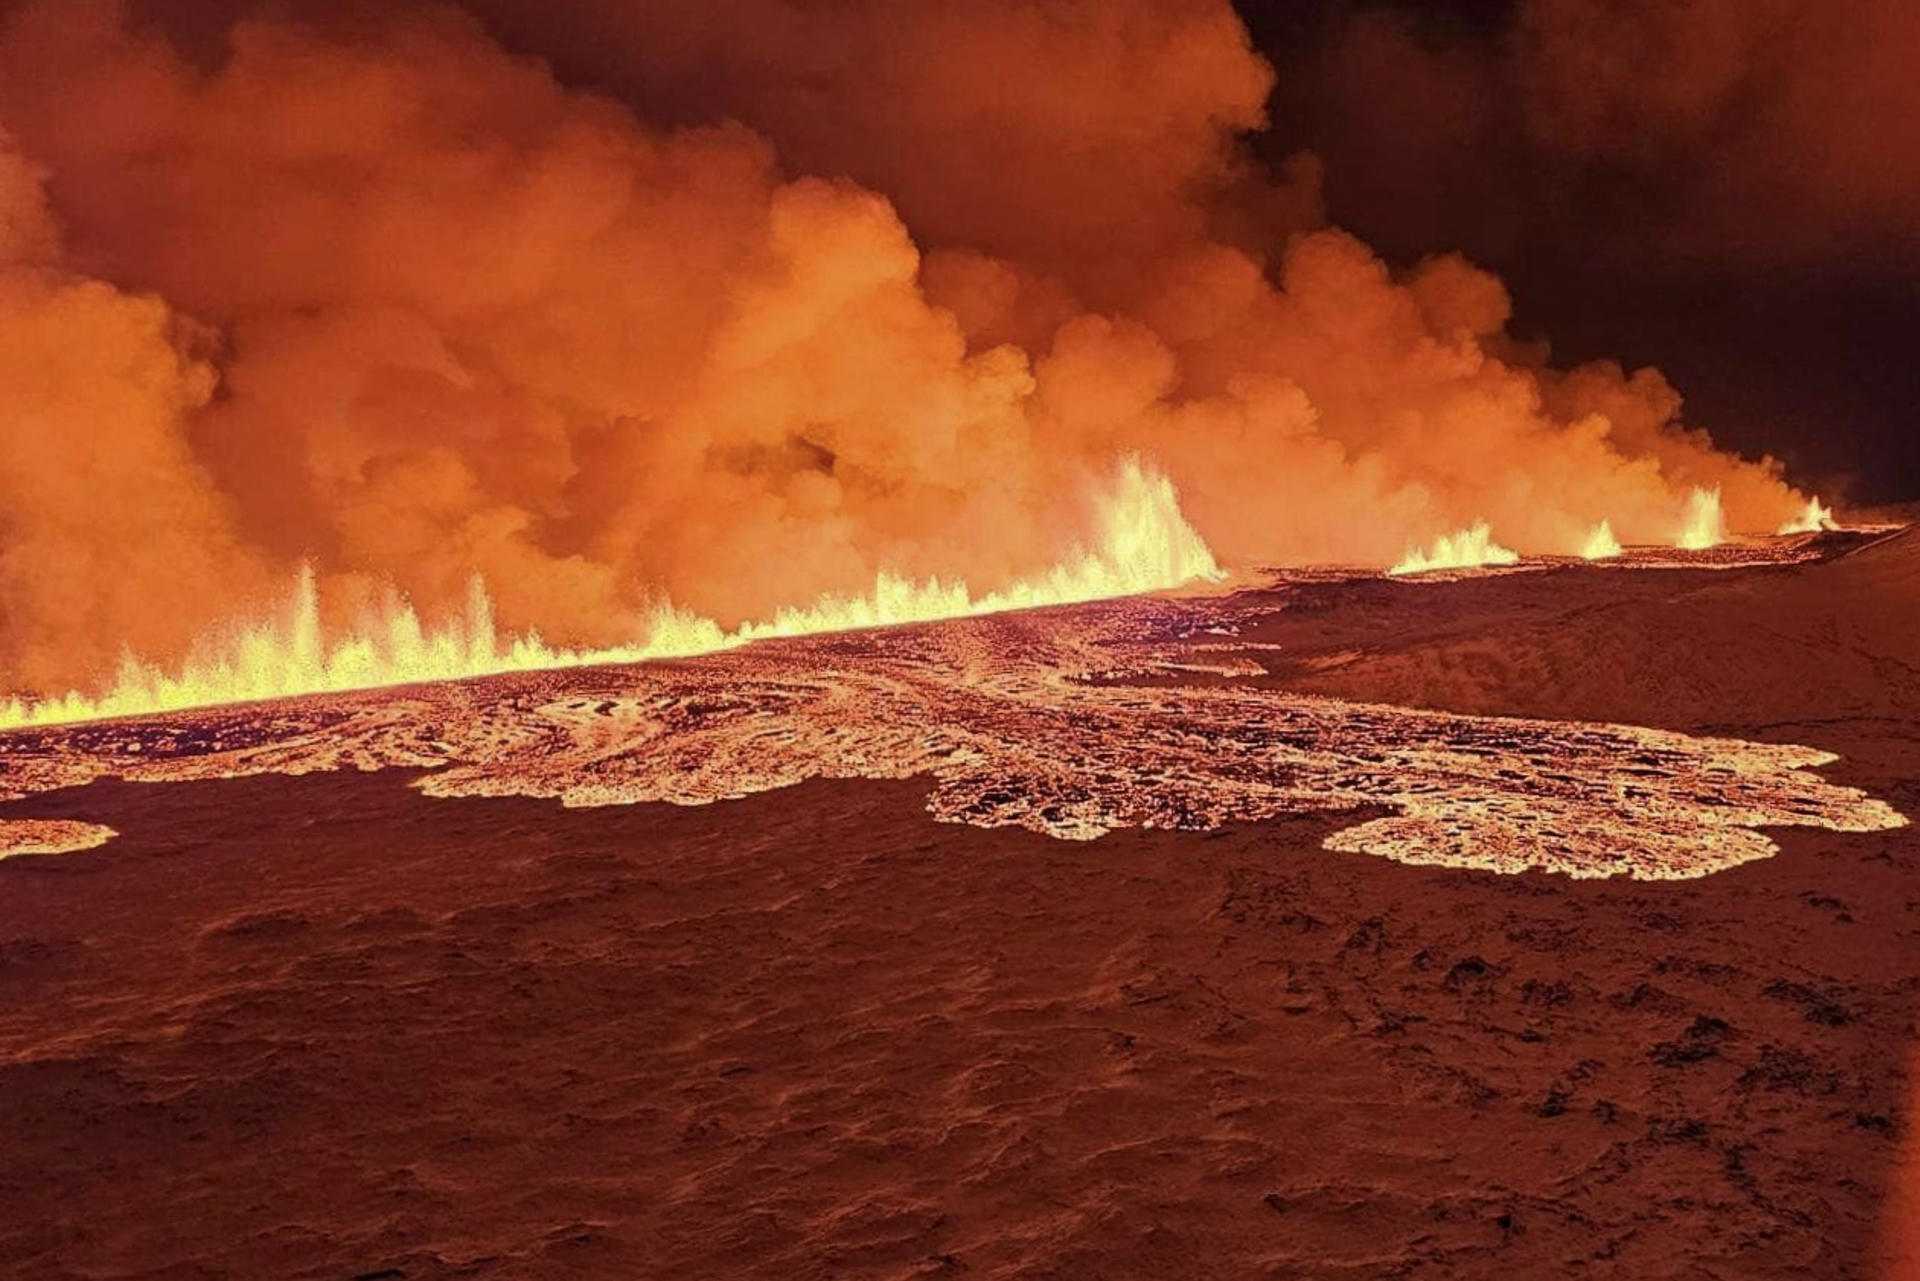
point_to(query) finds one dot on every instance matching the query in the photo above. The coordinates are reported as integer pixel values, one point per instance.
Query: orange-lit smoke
(377, 296)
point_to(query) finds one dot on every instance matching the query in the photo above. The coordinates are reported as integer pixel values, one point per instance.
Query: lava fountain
(1601, 544)
(1143, 543)
(1470, 548)
(1704, 525)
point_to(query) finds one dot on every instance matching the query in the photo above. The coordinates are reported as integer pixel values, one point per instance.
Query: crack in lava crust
(1045, 720)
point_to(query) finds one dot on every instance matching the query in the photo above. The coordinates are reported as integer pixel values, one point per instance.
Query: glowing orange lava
(1704, 525)
(1063, 721)
(1817, 518)
(1468, 549)
(1600, 544)
(1143, 544)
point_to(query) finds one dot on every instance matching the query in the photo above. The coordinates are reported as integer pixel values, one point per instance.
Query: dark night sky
(1811, 357)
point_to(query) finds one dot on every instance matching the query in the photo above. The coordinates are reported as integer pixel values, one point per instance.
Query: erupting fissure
(1072, 724)
(1601, 544)
(1817, 518)
(1705, 525)
(1144, 544)
(364, 285)
(1471, 547)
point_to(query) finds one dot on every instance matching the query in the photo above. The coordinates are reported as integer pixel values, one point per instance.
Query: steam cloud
(883, 287)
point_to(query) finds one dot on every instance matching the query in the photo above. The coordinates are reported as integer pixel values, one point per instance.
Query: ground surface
(328, 1026)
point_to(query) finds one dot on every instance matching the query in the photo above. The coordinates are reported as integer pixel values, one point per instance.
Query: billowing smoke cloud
(107, 522)
(381, 296)
(1077, 137)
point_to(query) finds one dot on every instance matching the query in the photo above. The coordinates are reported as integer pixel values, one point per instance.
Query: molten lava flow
(1465, 550)
(1145, 544)
(1064, 723)
(1601, 544)
(1815, 519)
(1705, 527)
(51, 836)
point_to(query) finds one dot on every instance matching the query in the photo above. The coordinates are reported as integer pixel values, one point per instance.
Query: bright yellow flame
(1145, 544)
(1704, 525)
(1601, 544)
(1470, 547)
(1813, 520)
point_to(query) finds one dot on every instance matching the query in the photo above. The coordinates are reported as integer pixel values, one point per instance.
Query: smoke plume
(789, 299)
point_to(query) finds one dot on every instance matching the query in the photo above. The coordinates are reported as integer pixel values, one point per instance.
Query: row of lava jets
(1144, 545)
(1704, 527)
